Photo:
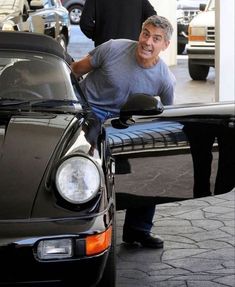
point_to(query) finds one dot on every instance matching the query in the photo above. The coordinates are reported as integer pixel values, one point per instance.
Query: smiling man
(117, 69)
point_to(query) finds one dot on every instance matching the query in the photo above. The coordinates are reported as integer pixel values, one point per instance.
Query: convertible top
(27, 41)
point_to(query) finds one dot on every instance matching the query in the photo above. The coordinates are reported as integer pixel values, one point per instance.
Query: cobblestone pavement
(198, 246)
(198, 234)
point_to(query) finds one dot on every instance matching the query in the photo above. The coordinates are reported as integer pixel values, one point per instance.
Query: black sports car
(57, 203)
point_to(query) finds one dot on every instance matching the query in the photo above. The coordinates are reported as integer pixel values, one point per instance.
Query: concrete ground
(198, 234)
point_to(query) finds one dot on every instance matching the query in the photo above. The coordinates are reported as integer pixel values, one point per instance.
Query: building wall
(224, 52)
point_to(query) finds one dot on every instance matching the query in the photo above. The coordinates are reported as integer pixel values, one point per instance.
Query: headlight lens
(78, 179)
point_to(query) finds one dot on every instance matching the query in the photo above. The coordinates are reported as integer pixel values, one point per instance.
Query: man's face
(151, 43)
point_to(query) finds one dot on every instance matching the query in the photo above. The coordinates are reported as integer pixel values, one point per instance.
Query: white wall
(224, 52)
(167, 8)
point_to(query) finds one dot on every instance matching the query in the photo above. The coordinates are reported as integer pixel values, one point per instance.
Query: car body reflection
(153, 156)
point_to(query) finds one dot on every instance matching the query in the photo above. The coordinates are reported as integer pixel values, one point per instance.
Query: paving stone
(203, 284)
(180, 253)
(179, 239)
(227, 280)
(177, 230)
(171, 222)
(216, 210)
(176, 245)
(201, 236)
(196, 264)
(213, 244)
(221, 254)
(171, 284)
(207, 224)
(197, 277)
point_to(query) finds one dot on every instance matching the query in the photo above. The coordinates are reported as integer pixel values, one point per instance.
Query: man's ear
(166, 44)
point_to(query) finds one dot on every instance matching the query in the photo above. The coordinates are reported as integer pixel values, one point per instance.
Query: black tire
(75, 12)
(198, 72)
(109, 276)
(180, 48)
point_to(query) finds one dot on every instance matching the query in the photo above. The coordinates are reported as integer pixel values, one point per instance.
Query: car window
(36, 76)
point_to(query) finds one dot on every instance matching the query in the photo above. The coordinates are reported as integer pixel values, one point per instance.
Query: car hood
(27, 143)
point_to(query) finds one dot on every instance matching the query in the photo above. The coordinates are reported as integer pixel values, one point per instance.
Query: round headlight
(78, 179)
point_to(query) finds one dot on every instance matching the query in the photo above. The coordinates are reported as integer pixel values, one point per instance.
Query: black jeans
(201, 138)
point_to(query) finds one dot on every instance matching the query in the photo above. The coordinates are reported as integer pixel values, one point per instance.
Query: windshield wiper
(5, 102)
(53, 103)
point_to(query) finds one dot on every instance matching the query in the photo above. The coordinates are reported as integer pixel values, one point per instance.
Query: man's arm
(87, 21)
(82, 66)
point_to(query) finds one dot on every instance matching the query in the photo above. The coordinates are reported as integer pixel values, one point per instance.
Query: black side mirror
(137, 105)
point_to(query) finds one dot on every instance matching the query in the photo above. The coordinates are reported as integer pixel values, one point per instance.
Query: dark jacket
(103, 20)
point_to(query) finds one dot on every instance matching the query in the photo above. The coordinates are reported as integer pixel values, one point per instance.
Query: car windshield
(34, 77)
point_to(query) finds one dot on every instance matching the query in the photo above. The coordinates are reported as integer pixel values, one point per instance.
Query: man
(102, 20)
(117, 69)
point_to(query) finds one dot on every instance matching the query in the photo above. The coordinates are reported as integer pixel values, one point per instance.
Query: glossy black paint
(153, 156)
(35, 136)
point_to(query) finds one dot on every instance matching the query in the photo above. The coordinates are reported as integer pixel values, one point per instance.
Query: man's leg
(201, 141)
(137, 227)
(225, 179)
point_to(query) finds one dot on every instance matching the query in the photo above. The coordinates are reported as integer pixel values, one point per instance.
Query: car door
(153, 156)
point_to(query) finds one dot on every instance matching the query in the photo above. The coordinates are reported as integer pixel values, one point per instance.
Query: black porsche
(57, 203)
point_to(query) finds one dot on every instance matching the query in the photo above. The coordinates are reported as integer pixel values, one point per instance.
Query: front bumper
(201, 55)
(21, 263)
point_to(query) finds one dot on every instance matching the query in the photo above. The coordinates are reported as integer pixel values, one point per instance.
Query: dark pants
(140, 218)
(201, 138)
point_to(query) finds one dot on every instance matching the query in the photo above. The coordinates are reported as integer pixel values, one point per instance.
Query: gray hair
(160, 22)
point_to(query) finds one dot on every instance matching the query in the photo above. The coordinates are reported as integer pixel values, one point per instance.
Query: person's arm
(147, 9)
(82, 66)
(87, 21)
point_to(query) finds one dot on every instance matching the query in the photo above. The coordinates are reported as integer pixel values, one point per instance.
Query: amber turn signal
(98, 243)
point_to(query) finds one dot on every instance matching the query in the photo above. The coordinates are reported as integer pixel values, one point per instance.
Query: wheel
(198, 72)
(62, 41)
(75, 12)
(23, 92)
(180, 48)
(109, 276)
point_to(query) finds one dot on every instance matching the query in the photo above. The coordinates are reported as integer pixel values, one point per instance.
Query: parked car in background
(201, 47)
(186, 10)
(57, 201)
(47, 17)
(75, 9)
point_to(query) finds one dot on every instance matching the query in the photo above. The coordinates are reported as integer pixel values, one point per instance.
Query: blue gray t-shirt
(117, 75)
